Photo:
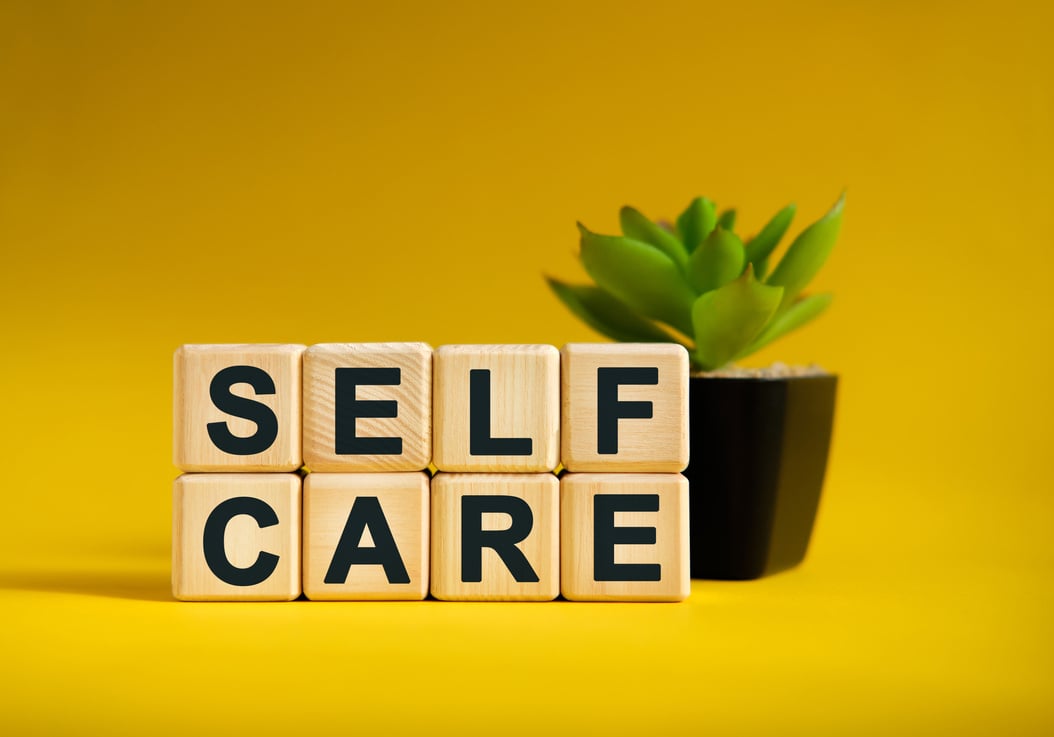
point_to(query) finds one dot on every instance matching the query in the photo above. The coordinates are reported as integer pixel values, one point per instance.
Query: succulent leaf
(647, 281)
(716, 262)
(606, 314)
(727, 220)
(761, 268)
(728, 319)
(643, 277)
(696, 222)
(802, 311)
(637, 226)
(807, 254)
(761, 245)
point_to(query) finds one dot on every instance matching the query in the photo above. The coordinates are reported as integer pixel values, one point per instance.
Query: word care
(364, 422)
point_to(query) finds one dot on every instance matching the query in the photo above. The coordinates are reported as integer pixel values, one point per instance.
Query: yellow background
(218, 172)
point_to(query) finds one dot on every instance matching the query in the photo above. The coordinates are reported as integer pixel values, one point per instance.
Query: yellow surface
(371, 171)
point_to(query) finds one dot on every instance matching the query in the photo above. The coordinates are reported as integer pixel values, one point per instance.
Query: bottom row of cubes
(458, 536)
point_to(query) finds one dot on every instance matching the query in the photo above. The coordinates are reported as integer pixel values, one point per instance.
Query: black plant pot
(758, 456)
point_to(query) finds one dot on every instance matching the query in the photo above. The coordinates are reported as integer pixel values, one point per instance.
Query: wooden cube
(496, 408)
(236, 537)
(624, 407)
(495, 537)
(237, 408)
(368, 407)
(624, 537)
(366, 536)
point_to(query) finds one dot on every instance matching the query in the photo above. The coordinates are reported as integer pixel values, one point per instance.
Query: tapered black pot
(758, 457)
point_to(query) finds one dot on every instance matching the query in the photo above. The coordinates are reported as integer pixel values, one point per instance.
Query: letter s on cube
(237, 408)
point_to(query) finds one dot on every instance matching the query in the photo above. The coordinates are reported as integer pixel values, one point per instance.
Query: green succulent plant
(698, 278)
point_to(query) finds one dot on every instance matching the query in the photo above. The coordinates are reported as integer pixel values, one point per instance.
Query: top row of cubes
(373, 407)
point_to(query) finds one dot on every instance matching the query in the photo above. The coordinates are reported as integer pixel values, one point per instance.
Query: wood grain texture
(404, 501)
(524, 402)
(541, 547)
(670, 551)
(413, 395)
(655, 444)
(195, 366)
(194, 498)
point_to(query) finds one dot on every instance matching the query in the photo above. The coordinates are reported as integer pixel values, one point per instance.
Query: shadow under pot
(759, 451)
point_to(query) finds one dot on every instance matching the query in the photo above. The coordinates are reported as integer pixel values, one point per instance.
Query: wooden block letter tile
(624, 407)
(366, 536)
(624, 537)
(237, 408)
(236, 537)
(495, 537)
(368, 407)
(497, 408)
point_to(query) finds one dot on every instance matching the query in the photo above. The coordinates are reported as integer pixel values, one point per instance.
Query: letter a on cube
(625, 407)
(237, 408)
(366, 536)
(236, 537)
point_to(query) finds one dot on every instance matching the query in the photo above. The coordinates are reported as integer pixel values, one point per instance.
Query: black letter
(610, 409)
(474, 538)
(367, 512)
(348, 408)
(261, 414)
(480, 443)
(606, 536)
(216, 528)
